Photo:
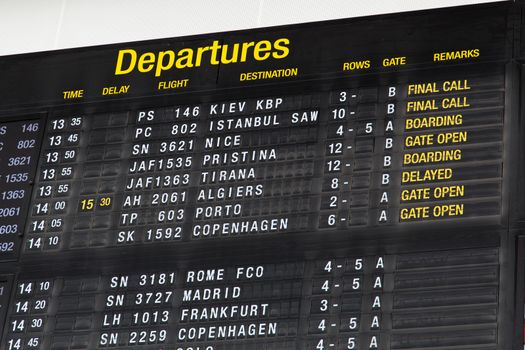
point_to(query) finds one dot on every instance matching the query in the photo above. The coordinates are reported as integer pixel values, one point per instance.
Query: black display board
(352, 184)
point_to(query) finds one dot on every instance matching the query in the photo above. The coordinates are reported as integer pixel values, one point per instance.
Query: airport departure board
(351, 184)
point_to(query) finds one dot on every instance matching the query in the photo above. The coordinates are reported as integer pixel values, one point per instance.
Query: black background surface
(33, 84)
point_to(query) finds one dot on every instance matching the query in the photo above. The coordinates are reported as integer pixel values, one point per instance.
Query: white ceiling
(37, 25)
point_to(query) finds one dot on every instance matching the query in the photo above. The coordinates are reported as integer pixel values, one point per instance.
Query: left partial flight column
(19, 151)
